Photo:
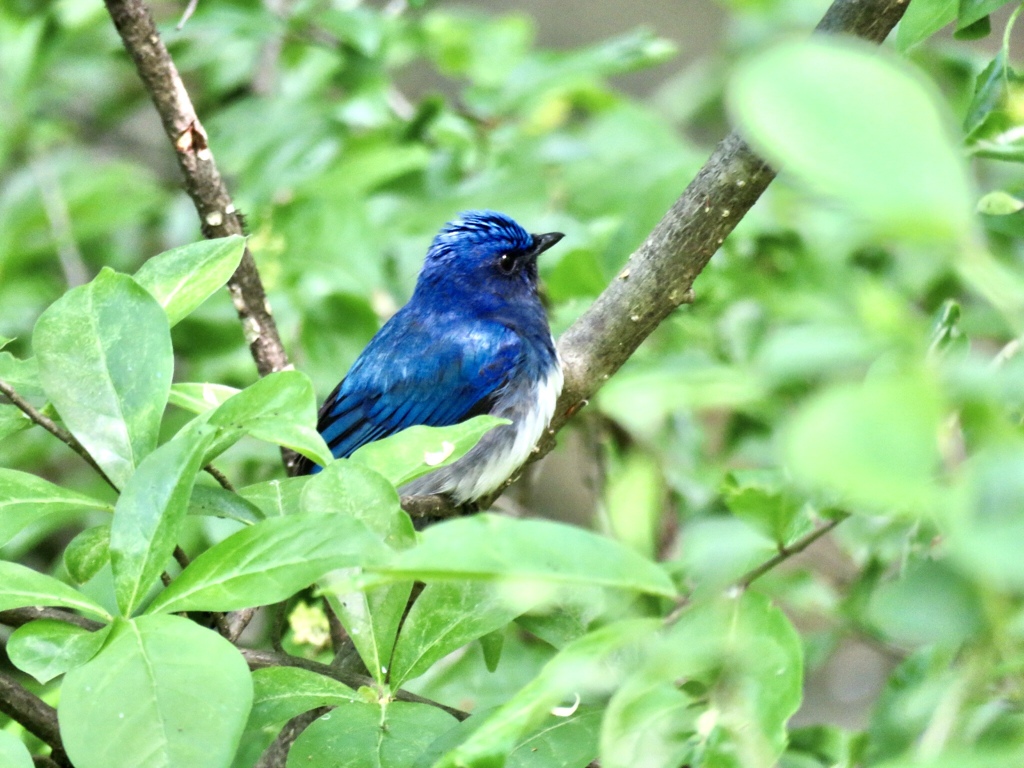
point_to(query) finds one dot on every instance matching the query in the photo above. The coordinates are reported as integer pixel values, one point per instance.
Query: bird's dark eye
(507, 263)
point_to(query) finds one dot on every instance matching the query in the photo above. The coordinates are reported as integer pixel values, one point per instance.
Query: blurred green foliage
(854, 349)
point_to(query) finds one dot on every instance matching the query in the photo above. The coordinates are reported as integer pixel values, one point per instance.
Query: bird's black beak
(542, 242)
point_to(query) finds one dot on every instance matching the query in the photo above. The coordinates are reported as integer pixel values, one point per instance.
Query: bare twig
(220, 477)
(53, 428)
(217, 213)
(189, 10)
(56, 209)
(659, 276)
(37, 717)
(16, 617)
(787, 552)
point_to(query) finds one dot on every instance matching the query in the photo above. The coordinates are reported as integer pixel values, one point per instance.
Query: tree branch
(659, 275)
(37, 717)
(787, 552)
(53, 428)
(203, 181)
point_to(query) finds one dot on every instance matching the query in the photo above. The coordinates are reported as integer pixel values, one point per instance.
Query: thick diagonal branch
(203, 182)
(658, 277)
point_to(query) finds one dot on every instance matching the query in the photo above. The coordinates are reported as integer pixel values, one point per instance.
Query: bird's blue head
(484, 256)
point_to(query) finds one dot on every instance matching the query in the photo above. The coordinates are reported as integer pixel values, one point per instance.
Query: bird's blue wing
(416, 372)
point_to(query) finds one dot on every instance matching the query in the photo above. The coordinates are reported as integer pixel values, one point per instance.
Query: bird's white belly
(502, 450)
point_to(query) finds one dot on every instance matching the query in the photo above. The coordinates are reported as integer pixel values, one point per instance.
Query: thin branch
(16, 617)
(787, 552)
(658, 277)
(217, 213)
(37, 717)
(220, 477)
(53, 428)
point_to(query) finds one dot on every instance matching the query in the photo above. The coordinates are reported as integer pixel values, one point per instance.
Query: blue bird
(473, 339)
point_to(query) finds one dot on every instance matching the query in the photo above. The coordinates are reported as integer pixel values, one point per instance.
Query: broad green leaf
(214, 501)
(416, 451)
(993, 120)
(279, 408)
(761, 498)
(923, 19)
(370, 617)
(490, 547)
(46, 648)
(970, 11)
(492, 644)
(105, 362)
(359, 734)
(930, 603)
(881, 144)
(200, 398)
(276, 497)
(13, 752)
(162, 692)
(594, 663)
(149, 514)
(21, 587)
(352, 490)
(183, 278)
(12, 420)
(844, 441)
(268, 562)
(279, 694)
(87, 553)
(445, 617)
(25, 498)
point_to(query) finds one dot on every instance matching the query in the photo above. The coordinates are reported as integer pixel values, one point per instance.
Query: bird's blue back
(470, 338)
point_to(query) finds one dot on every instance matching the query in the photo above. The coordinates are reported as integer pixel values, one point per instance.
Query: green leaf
(923, 19)
(416, 451)
(279, 408)
(105, 362)
(492, 645)
(13, 752)
(593, 663)
(361, 734)
(200, 398)
(741, 662)
(761, 498)
(279, 694)
(87, 553)
(162, 692)
(21, 587)
(46, 648)
(12, 420)
(881, 146)
(931, 603)
(490, 547)
(23, 375)
(999, 203)
(844, 441)
(25, 498)
(445, 617)
(276, 497)
(993, 120)
(148, 516)
(183, 278)
(971, 11)
(352, 490)
(975, 30)
(370, 617)
(268, 562)
(214, 501)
